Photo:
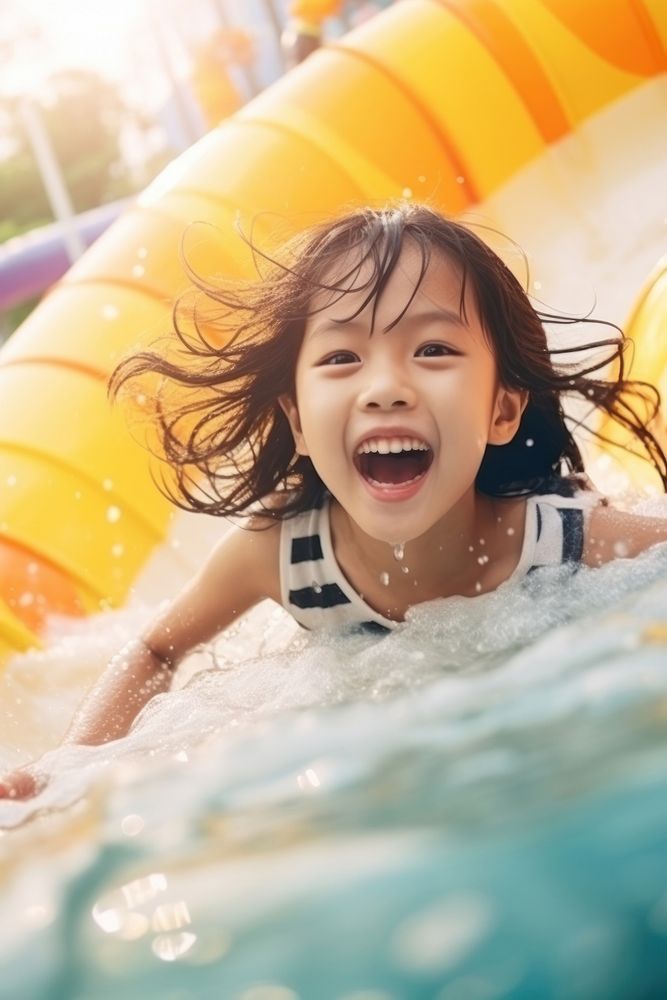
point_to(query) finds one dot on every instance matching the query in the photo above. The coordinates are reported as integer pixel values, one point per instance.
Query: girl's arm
(242, 569)
(614, 534)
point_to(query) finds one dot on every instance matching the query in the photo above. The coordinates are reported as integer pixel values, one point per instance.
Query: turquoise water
(472, 808)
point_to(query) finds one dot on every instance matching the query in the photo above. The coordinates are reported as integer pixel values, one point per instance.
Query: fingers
(19, 785)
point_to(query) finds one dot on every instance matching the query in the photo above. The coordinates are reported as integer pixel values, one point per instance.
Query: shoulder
(240, 571)
(614, 534)
(248, 558)
(253, 550)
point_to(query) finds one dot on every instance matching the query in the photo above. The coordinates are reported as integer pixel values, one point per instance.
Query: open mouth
(393, 461)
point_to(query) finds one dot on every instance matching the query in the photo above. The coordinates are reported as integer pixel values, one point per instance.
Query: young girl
(384, 410)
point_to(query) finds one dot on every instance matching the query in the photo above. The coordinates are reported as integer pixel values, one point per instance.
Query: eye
(339, 358)
(434, 350)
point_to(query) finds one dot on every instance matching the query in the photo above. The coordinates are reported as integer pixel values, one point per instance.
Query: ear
(507, 413)
(290, 409)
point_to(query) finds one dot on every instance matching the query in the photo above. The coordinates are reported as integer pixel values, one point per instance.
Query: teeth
(394, 445)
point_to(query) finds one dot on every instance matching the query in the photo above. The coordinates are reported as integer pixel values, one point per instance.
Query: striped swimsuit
(317, 594)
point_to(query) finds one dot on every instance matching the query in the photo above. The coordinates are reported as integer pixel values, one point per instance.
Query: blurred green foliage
(84, 116)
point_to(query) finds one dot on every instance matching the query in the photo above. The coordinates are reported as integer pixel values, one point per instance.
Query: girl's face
(396, 423)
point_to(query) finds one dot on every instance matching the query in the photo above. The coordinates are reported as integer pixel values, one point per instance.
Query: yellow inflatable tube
(454, 101)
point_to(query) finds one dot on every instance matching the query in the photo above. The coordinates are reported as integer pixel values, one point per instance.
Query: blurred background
(96, 97)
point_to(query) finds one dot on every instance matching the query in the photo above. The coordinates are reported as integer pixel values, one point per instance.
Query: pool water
(471, 808)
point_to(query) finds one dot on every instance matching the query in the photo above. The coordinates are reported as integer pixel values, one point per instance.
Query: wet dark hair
(219, 423)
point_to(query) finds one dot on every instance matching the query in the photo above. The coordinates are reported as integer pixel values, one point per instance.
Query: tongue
(395, 468)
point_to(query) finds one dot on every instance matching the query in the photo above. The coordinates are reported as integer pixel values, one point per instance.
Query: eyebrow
(428, 316)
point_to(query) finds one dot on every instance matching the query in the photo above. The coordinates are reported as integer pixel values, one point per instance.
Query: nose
(387, 388)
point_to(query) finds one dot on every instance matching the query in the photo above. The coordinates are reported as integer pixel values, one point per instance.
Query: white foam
(453, 671)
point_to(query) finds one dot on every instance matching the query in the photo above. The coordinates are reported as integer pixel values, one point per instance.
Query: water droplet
(422, 180)
(407, 192)
(471, 548)
(384, 579)
(529, 442)
(132, 824)
(621, 549)
(110, 311)
(460, 179)
(482, 541)
(117, 550)
(399, 551)
(478, 587)
(482, 560)
(510, 531)
(405, 569)
(317, 587)
(138, 271)
(113, 514)
(107, 484)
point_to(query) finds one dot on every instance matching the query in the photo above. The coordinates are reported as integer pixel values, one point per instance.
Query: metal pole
(248, 71)
(191, 129)
(52, 177)
(221, 11)
(270, 8)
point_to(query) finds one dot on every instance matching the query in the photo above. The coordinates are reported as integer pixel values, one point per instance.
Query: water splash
(505, 712)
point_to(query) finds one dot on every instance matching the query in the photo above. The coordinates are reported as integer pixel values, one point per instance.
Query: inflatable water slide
(545, 119)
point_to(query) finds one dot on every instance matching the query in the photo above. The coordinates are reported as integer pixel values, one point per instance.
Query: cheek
(469, 420)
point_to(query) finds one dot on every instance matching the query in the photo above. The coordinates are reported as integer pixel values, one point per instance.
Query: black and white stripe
(559, 532)
(317, 594)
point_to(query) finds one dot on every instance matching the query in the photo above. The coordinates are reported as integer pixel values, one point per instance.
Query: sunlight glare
(72, 34)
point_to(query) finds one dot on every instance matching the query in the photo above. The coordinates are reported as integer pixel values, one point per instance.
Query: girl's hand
(21, 784)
